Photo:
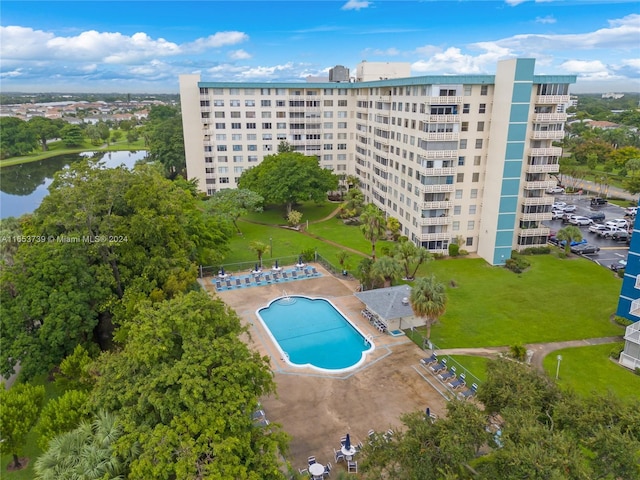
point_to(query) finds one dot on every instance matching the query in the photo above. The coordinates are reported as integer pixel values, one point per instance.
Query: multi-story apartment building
(451, 157)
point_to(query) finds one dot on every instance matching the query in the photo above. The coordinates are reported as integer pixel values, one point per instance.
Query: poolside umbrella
(222, 271)
(300, 260)
(276, 263)
(255, 269)
(347, 443)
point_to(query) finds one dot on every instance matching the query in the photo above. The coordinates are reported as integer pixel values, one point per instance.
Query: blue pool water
(313, 333)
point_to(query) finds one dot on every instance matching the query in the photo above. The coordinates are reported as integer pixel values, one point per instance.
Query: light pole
(270, 247)
(559, 358)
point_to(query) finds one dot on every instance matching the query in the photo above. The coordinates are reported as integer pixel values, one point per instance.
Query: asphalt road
(610, 250)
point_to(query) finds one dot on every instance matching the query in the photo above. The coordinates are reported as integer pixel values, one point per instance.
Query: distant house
(603, 125)
(391, 306)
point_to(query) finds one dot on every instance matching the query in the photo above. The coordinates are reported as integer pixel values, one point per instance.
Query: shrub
(308, 255)
(462, 251)
(519, 352)
(620, 272)
(536, 250)
(624, 322)
(616, 351)
(454, 250)
(637, 371)
(517, 264)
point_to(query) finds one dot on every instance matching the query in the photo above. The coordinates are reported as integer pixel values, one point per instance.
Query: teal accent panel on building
(510, 186)
(515, 151)
(517, 132)
(521, 93)
(512, 169)
(506, 221)
(508, 204)
(501, 255)
(519, 113)
(504, 238)
(524, 69)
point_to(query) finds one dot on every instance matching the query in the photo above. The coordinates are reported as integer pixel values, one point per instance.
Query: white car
(580, 221)
(569, 209)
(617, 222)
(557, 214)
(597, 228)
(608, 231)
(555, 190)
(559, 205)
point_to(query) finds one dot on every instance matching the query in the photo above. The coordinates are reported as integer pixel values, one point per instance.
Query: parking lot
(610, 250)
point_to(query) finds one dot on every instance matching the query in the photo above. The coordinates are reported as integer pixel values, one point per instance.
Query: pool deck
(316, 408)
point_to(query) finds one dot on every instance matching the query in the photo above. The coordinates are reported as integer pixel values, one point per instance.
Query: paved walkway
(598, 189)
(540, 350)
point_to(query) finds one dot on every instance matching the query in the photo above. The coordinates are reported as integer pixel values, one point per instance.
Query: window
(251, 126)
(235, 114)
(237, 158)
(218, 114)
(265, 91)
(281, 103)
(327, 146)
(218, 103)
(484, 89)
(472, 209)
(265, 103)
(481, 126)
(224, 179)
(265, 114)
(475, 177)
(267, 148)
(342, 156)
(267, 136)
(281, 125)
(220, 126)
(478, 143)
(218, 91)
(281, 114)
(238, 169)
(459, 177)
(237, 148)
(221, 148)
(342, 103)
(457, 210)
(466, 107)
(221, 137)
(473, 193)
(328, 103)
(204, 91)
(236, 137)
(342, 124)
(342, 146)
(342, 114)
(223, 169)
(463, 143)
(327, 125)
(234, 91)
(471, 224)
(234, 103)
(208, 148)
(455, 226)
(328, 114)
(469, 241)
(250, 114)
(266, 126)
(236, 126)
(464, 127)
(208, 159)
(467, 90)
(252, 148)
(482, 108)
(461, 161)
(327, 158)
(249, 103)
(477, 159)
(222, 159)
(458, 194)
(252, 158)
(328, 136)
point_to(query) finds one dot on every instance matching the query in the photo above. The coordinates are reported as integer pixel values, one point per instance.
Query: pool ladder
(368, 339)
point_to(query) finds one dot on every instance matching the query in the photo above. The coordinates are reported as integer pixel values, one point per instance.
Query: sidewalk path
(540, 350)
(597, 189)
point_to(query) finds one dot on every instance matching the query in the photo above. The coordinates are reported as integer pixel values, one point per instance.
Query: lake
(22, 187)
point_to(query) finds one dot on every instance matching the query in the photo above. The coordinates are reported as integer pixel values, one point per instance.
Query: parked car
(596, 217)
(580, 221)
(567, 217)
(557, 214)
(619, 265)
(585, 249)
(630, 212)
(559, 205)
(621, 236)
(608, 231)
(597, 228)
(617, 222)
(598, 202)
(569, 209)
(556, 189)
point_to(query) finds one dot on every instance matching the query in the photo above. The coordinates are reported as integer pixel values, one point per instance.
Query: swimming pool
(314, 333)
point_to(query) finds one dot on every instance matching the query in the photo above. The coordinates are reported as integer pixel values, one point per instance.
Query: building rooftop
(388, 303)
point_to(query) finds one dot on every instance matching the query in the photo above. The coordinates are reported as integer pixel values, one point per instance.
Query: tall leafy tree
(166, 145)
(185, 385)
(411, 257)
(16, 138)
(569, 234)
(20, 409)
(234, 203)
(289, 178)
(45, 129)
(72, 135)
(373, 226)
(428, 300)
(61, 415)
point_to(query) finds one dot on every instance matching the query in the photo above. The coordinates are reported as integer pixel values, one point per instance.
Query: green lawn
(554, 300)
(589, 369)
(471, 364)
(277, 214)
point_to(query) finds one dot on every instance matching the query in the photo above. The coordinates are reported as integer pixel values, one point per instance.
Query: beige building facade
(463, 158)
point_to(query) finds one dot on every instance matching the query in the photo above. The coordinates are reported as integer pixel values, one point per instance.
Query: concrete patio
(317, 409)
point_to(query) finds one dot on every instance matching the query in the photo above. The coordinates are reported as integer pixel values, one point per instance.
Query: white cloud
(582, 66)
(12, 74)
(546, 20)
(513, 3)
(453, 61)
(356, 5)
(239, 55)
(220, 39)
(389, 52)
(266, 72)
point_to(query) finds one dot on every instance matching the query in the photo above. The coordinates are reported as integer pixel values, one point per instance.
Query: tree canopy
(16, 138)
(289, 178)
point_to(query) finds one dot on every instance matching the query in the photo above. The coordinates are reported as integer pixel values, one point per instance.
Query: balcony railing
(437, 172)
(449, 118)
(547, 134)
(428, 237)
(633, 332)
(205, 109)
(437, 188)
(546, 200)
(536, 217)
(453, 154)
(436, 221)
(443, 100)
(534, 232)
(549, 117)
(635, 308)
(546, 168)
(548, 151)
(437, 205)
(552, 99)
(540, 185)
(442, 136)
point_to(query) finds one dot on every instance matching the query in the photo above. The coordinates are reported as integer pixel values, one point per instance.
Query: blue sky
(138, 46)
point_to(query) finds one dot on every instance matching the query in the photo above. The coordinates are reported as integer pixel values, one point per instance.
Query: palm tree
(388, 269)
(258, 247)
(86, 452)
(373, 226)
(411, 257)
(428, 300)
(569, 234)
